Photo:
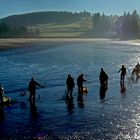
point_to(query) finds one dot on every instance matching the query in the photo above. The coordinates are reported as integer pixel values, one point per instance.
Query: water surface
(115, 118)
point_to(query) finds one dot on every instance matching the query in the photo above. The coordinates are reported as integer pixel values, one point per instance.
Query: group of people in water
(103, 78)
(70, 85)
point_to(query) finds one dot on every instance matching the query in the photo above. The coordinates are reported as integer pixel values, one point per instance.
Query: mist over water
(115, 118)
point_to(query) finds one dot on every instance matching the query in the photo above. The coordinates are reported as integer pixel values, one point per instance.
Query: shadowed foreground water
(118, 117)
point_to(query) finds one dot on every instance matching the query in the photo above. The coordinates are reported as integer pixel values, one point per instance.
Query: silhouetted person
(69, 100)
(135, 75)
(70, 85)
(1, 94)
(103, 77)
(80, 81)
(137, 66)
(32, 89)
(123, 73)
(136, 72)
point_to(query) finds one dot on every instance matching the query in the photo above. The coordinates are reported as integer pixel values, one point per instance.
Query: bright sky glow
(11, 7)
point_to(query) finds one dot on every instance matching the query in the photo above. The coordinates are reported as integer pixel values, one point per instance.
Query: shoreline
(8, 43)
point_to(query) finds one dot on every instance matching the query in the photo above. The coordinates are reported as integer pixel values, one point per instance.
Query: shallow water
(117, 117)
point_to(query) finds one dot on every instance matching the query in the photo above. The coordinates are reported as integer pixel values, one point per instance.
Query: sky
(109, 7)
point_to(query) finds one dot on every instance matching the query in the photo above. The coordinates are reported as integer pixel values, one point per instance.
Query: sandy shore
(6, 43)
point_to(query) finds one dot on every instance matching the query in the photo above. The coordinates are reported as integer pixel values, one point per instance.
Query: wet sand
(7, 43)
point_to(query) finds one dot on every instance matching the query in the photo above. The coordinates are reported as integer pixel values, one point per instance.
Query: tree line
(126, 26)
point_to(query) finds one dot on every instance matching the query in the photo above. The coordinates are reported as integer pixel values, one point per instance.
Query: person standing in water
(32, 89)
(103, 77)
(70, 85)
(80, 81)
(123, 73)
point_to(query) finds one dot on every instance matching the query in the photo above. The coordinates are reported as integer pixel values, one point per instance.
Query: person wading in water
(32, 89)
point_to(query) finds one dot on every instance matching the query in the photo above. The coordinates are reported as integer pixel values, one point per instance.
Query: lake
(118, 117)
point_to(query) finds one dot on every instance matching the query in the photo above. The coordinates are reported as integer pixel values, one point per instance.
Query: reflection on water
(102, 92)
(122, 88)
(53, 117)
(69, 103)
(2, 115)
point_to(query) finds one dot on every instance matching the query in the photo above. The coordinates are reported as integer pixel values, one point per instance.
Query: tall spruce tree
(130, 27)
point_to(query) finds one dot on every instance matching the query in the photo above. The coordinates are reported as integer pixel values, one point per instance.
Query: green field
(77, 29)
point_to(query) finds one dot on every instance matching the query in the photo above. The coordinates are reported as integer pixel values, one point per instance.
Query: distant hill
(70, 24)
(31, 19)
(50, 24)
